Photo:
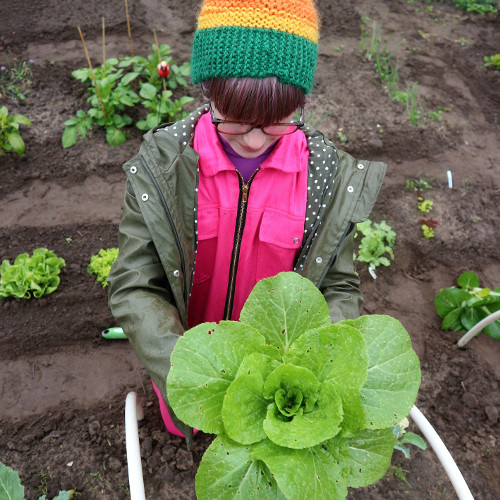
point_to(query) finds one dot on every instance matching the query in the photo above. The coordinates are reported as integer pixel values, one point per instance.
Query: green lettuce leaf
(393, 379)
(306, 473)
(228, 471)
(244, 407)
(306, 428)
(203, 365)
(336, 354)
(367, 455)
(283, 307)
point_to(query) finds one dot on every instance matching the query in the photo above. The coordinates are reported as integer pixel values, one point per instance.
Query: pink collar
(286, 155)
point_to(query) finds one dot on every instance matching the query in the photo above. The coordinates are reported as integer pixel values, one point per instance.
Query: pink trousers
(166, 416)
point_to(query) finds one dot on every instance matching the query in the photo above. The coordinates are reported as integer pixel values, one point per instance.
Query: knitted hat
(257, 39)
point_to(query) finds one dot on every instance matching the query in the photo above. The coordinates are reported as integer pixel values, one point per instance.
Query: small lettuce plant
(34, 275)
(100, 264)
(302, 407)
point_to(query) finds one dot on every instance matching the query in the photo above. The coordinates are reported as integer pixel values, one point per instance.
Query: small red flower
(163, 69)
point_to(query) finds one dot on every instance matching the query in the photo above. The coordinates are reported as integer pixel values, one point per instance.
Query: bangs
(259, 101)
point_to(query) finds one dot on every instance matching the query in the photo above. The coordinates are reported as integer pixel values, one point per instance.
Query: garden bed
(63, 386)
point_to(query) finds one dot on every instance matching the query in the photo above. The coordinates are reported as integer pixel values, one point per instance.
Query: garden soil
(63, 387)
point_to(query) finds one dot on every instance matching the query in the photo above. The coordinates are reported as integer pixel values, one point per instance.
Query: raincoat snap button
(145, 197)
(133, 169)
(296, 241)
(361, 166)
(319, 260)
(350, 189)
(176, 273)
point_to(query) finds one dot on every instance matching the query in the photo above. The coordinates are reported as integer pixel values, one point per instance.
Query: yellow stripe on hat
(224, 13)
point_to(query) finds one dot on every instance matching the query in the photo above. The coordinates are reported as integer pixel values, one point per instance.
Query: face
(251, 144)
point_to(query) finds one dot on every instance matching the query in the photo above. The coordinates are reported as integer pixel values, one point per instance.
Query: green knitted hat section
(238, 52)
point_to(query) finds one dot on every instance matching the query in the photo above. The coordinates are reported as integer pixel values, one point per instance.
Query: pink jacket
(255, 229)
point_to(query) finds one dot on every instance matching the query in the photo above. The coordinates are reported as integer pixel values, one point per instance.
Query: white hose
(133, 413)
(442, 453)
(478, 327)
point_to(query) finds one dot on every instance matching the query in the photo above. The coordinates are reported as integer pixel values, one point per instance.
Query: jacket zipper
(172, 226)
(238, 236)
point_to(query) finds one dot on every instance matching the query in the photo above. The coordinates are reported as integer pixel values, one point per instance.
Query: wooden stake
(103, 46)
(129, 32)
(159, 60)
(91, 70)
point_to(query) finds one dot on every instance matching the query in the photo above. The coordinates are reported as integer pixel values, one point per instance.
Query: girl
(239, 190)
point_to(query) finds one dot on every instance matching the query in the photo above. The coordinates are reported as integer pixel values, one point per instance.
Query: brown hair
(253, 100)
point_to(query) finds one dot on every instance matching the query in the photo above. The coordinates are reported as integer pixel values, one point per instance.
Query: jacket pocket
(280, 239)
(208, 230)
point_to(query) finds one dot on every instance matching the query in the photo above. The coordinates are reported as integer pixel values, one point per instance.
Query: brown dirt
(63, 387)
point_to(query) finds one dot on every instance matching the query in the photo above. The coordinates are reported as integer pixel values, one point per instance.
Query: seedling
(377, 242)
(418, 185)
(462, 307)
(492, 62)
(11, 487)
(424, 205)
(16, 79)
(100, 264)
(341, 136)
(10, 138)
(404, 437)
(294, 416)
(427, 229)
(35, 276)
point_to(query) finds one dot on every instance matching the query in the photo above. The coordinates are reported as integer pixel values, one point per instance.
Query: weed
(338, 48)
(312, 120)
(414, 108)
(400, 473)
(492, 62)
(16, 79)
(418, 184)
(341, 137)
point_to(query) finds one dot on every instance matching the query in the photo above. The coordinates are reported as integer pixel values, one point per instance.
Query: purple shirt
(245, 166)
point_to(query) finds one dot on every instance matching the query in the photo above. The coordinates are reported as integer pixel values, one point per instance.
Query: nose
(254, 139)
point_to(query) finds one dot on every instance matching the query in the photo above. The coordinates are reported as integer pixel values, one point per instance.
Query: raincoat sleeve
(140, 297)
(341, 285)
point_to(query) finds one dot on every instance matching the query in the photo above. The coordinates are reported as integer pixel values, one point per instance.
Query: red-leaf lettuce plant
(302, 408)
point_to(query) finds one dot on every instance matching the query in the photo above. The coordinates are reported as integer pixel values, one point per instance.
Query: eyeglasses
(239, 128)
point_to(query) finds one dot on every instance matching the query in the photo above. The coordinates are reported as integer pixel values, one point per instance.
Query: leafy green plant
(341, 136)
(12, 489)
(427, 231)
(295, 416)
(424, 205)
(414, 108)
(37, 275)
(376, 242)
(403, 437)
(10, 138)
(107, 104)
(462, 307)
(161, 106)
(16, 79)
(479, 6)
(418, 184)
(100, 264)
(124, 83)
(146, 67)
(492, 62)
